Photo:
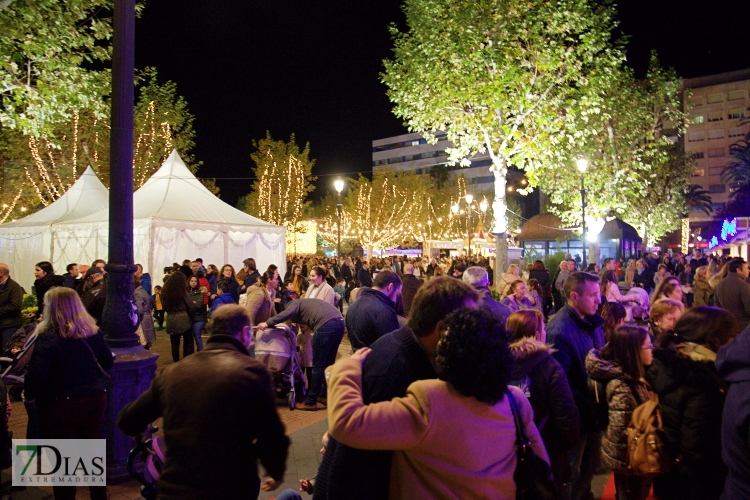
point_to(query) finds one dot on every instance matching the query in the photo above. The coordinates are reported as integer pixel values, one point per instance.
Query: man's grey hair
(476, 276)
(408, 269)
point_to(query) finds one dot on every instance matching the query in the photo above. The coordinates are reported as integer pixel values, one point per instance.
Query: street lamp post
(469, 198)
(582, 165)
(339, 185)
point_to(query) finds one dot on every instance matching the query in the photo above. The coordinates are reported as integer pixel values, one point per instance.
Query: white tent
(27, 241)
(175, 218)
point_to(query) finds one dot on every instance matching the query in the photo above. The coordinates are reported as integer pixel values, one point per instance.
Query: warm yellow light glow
(339, 185)
(469, 198)
(582, 164)
(454, 208)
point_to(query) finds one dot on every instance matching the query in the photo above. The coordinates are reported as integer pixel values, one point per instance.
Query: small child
(340, 290)
(288, 294)
(224, 296)
(157, 307)
(535, 295)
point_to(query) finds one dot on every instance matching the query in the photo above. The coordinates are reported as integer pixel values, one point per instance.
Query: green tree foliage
(46, 50)
(283, 180)
(635, 169)
(698, 199)
(498, 77)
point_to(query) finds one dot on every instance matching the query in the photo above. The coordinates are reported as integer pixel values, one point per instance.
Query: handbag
(101, 370)
(533, 476)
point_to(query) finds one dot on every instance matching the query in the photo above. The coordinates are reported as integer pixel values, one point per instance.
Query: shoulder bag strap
(521, 439)
(101, 370)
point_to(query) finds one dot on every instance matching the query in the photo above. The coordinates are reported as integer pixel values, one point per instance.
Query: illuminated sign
(714, 241)
(728, 228)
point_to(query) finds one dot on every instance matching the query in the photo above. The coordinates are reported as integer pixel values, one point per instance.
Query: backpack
(647, 454)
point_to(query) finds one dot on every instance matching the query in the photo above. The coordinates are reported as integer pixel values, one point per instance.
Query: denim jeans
(584, 462)
(197, 330)
(325, 345)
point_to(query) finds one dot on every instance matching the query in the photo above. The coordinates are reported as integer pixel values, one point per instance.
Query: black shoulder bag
(533, 476)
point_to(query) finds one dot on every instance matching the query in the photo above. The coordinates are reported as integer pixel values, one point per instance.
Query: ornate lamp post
(339, 185)
(582, 165)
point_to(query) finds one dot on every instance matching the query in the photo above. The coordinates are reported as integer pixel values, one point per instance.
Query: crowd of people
(424, 408)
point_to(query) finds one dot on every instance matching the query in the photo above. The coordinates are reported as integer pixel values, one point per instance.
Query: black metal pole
(120, 316)
(583, 222)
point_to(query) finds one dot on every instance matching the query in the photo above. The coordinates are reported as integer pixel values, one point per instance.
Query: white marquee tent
(27, 241)
(175, 218)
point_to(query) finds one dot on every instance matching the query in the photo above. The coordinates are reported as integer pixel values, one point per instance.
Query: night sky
(311, 68)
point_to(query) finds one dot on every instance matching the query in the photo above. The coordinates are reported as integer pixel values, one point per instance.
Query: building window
(715, 170)
(697, 120)
(697, 155)
(716, 134)
(735, 95)
(715, 116)
(714, 98)
(696, 101)
(716, 152)
(737, 113)
(736, 132)
(695, 136)
(699, 172)
(717, 206)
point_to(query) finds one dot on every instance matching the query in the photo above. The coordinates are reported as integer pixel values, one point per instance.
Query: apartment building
(718, 118)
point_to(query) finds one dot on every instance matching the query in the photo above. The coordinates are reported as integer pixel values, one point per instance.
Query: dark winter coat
(624, 394)
(220, 418)
(41, 287)
(11, 302)
(555, 411)
(212, 279)
(370, 317)
(733, 294)
(146, 282)
(397, 359)
(542, 277)
(180, 316)
(691, 397)
(71, 281)
(733, 365)
(197, 295)
(65, 369)
(94, 299)
(364, 277)
(573, 338)
(644, 280)
(410, 285)
(234, 288)
(702, 293)
(501, 311)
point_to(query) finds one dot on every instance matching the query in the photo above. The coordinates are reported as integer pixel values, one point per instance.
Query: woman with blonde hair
(716, 278)
(702, 289)
(663, 316)
(507, 279)
(66, 376)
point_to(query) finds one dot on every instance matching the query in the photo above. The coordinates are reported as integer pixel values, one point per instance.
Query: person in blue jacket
(733, 365)
(145, 278)
(224, 296)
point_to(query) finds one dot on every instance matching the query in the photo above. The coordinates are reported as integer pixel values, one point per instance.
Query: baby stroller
(277, 349)
(16, 362)
(150, 450)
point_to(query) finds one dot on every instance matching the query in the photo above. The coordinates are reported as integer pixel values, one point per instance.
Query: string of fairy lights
(55, 166)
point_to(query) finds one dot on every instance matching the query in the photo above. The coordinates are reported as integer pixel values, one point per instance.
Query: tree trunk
(500, 229)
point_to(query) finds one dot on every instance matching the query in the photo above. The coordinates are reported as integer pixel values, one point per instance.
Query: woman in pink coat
(454, 438)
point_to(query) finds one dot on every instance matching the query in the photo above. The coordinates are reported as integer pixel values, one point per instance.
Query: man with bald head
(410, 286)
(11, 298)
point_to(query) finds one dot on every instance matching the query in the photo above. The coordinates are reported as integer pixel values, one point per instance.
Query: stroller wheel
(291, 400)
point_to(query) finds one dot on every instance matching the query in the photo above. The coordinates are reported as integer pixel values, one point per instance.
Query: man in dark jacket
(733, 365)
(574, 331)
(11, 301)
(346, 270)
(364, 276)
(397, 360)
(733, 292)
(95, 293)
(410, 286)
(373, 314)
(477, 277)
(251, 274)
(244, 428)
(71, 277)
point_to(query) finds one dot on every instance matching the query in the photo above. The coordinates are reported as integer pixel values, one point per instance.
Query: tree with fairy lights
(37, 171)
(283, 180)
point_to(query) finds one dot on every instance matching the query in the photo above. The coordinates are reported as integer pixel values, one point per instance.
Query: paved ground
(305, 430)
